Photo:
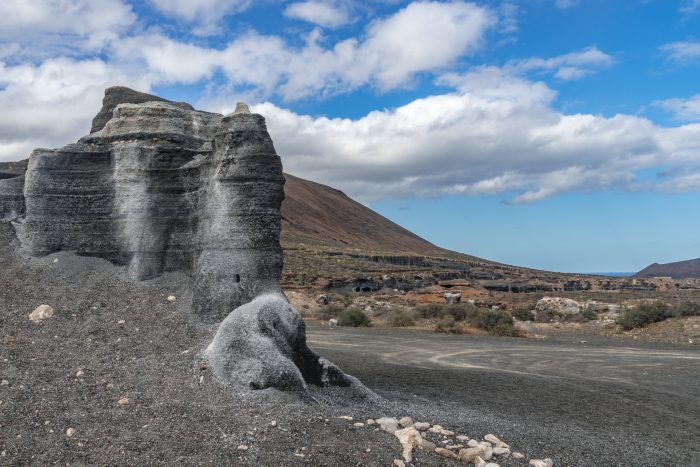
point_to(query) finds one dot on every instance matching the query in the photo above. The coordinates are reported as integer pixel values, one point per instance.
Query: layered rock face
(12, 190)
(161, 187)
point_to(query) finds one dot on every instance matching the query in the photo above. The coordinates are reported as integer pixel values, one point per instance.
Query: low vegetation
(647, 313)
(464, 318)
(402, 318)
(353, 317)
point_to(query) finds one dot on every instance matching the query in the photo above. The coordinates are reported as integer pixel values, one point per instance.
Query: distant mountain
(678, 270)
(318, 217)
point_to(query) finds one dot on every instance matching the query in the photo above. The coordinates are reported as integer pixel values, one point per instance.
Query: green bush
(402, 318)
(446, 324)
(643, 315)
(523, 314)
(353, 317)
(589, 315)
(687, 309)
(490, 319)
(432, 310)
(329, 311)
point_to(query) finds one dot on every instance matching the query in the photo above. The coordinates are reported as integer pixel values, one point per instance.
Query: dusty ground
(178, 415)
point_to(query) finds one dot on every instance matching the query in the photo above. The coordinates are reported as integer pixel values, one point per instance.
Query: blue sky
(555, 134)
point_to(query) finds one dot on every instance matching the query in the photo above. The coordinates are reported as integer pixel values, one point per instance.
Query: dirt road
(592, 403)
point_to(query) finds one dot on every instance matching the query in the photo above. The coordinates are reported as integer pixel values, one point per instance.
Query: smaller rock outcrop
(262, 344)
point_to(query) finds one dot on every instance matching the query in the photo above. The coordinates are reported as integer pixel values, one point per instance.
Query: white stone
(463, 438)
(242, 447)
(369, 421)
(171, 298)
(70, 432)
(542, 463)
(388, 424)
(79, 374)
(41, 313)
(121, 321)
(332, 322)
(409, 439)
(399, 463)
(444, 452)
(4, 382)
(273, 423)
(123, 401)
(479, 462)
(405, 422)
(472, 443)
(498, 451)
(518, 455)
(358, 424)
(346, 417)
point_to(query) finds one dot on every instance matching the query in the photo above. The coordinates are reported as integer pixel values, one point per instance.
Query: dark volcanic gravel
(178, 415)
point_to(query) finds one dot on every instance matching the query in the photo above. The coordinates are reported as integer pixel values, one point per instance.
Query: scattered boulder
(444, 452)
(333, 322)
(322, 300)
(409, 439)
(262, 344)
(70, 432)
(41, 313)
(422, 426)
(171, 299)
(452, 298)
(542, 463)
(549, 308)
(399, 463)
(427, 445)
(124, 401)
(405, 422)
(388, 424)
(518, 455)
(498, 451)
(468, 455)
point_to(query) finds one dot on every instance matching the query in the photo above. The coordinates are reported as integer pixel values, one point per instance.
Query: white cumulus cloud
(684, 109)
(206, 14)
(317, 12)
(497, 134)
(43, 28)
(682, 52)
(422, 37)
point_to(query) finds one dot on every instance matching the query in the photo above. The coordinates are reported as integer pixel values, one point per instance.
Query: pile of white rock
(459, 447)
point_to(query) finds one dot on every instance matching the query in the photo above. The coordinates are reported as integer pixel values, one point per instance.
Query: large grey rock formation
(161, 187)
(12, 190)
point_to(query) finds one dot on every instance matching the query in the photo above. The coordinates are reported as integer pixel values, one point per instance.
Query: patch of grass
(402, 318)
(643, 315)
(353, 317)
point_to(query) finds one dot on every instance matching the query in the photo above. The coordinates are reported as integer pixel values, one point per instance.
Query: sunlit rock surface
(161, 187)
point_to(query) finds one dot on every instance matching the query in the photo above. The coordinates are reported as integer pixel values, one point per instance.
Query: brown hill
(318, 217)
(677, 270)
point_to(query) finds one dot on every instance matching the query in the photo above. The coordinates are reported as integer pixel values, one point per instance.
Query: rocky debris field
(97, 369)
(114, 375)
